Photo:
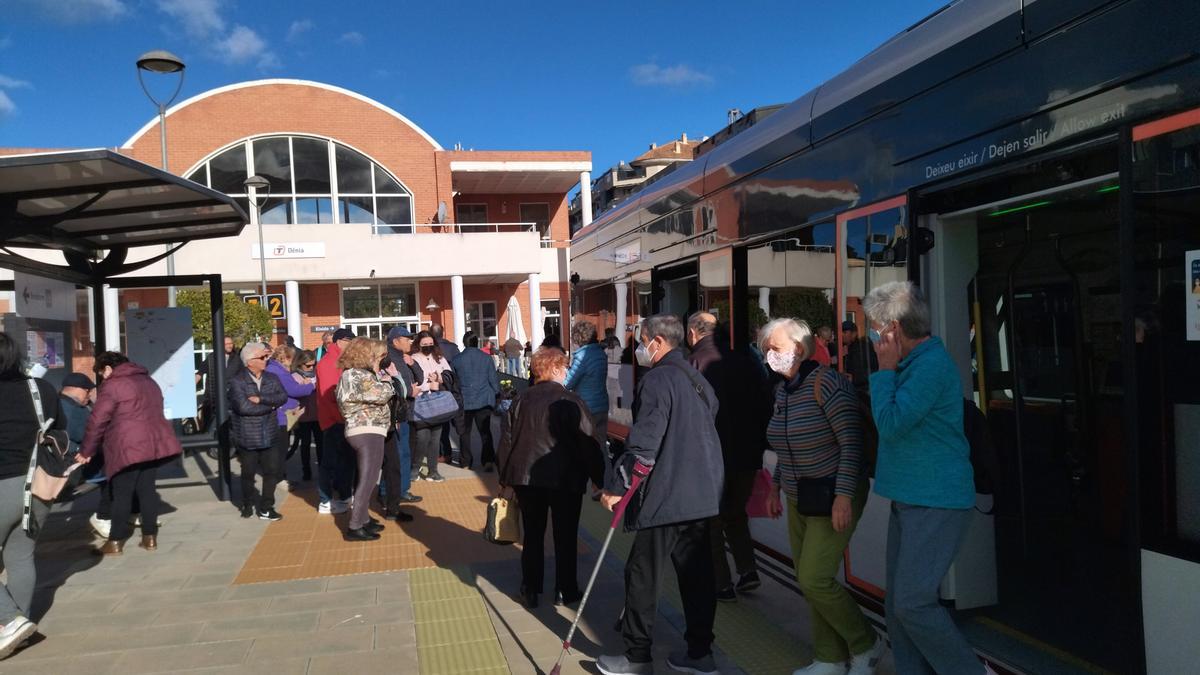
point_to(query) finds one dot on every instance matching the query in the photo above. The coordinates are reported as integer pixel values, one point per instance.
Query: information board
(160, 339)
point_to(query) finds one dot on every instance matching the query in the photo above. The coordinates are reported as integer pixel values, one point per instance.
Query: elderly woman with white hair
(817, 435)
(924, 467)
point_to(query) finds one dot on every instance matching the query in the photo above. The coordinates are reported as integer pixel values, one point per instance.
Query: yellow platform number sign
(274, 304)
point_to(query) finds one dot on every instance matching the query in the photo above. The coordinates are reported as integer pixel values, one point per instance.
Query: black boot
(361, 534)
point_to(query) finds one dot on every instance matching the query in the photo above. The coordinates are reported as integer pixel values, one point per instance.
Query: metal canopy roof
(89, 200)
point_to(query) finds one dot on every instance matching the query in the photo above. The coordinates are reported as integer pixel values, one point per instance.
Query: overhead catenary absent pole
(164, 62)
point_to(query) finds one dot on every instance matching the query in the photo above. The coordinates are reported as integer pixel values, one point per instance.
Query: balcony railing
(454, 228)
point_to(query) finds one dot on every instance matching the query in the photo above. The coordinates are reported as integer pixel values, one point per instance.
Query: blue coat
(478, 379)
(588, 377)
(924, 458)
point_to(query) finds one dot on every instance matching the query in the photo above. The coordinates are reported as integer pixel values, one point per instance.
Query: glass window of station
(314, 181)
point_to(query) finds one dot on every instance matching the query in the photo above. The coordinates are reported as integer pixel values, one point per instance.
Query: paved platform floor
(196, 606)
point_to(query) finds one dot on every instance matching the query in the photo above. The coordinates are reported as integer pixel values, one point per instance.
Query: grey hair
(583, 333)
(797, 331)
(666, 326)
(700, 323)
(251, 349)
(900, 301)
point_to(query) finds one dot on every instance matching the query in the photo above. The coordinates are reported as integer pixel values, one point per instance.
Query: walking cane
(640, 471)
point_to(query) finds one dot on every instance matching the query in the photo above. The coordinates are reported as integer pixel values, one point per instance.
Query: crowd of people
(385, 413)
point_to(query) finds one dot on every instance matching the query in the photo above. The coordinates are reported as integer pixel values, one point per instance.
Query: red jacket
(328, 375)
(127, 421)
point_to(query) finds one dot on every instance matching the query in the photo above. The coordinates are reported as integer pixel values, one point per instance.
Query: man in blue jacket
(674, 413)
(480, 383)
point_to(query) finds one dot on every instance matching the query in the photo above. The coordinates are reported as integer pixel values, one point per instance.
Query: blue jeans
(922, 543)
(514, 366)
(334, 474)
(405, 450)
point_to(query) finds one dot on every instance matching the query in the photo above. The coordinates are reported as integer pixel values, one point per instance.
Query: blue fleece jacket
(294, 389)
(588, 377)
(924, 458)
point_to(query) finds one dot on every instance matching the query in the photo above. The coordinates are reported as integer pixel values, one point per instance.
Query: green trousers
(838, 625)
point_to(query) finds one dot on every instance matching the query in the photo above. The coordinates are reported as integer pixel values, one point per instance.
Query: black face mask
(426, 349)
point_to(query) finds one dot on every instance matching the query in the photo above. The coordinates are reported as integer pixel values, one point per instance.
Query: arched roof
(300, 83)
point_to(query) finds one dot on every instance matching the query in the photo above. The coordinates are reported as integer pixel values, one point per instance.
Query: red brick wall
(320, 305)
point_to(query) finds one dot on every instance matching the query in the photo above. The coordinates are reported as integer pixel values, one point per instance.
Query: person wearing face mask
(428, 357)
(742, 417)
(674, 430)
(816, 433)
(549, 450)
(924, 467)
(307, 430)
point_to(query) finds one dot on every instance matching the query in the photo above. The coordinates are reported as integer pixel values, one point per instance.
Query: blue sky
(606, 77)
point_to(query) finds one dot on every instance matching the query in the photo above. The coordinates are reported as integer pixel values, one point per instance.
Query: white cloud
(7, 107)
(244, 46)
(298, 29)
(79, 11)
(7, 82)
(352, 38)
(200, 18)
(654, 75)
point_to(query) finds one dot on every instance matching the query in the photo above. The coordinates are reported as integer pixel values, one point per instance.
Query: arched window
(313, 181)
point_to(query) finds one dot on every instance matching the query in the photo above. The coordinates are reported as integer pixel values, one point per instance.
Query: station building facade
(369, 222)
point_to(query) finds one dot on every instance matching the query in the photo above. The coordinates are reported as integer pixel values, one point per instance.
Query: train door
(1025, 288)
(676, 289)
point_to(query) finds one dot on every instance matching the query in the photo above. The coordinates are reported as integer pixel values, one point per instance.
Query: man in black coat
(745, 410)
(254, 396)
(673, 430)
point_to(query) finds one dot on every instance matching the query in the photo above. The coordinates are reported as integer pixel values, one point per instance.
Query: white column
(291, 300)
(622, 309)
(764, 300)
(10, 297)
(585, 197)
(112, 319)
(458, 306)
(536, 334)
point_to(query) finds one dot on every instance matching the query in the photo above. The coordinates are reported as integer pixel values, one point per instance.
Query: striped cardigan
(815, 436)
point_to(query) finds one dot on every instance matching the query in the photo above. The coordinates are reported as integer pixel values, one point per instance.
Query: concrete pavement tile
(394, 635)
(107, 637)
(297, 666)
(354, 639)
(369, 580)
(275, 589)
(377, 661)
(210, 580)
(355, 597)
(366, 616)
(180, 657)
(86, 607)
(259, 627)
(99, 664)
(57, 623)
(214, 611)
(160, 599)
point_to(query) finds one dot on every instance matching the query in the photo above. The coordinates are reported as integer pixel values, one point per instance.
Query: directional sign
(275, 304)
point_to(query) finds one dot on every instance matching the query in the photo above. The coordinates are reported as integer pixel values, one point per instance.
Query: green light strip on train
(1023, 207)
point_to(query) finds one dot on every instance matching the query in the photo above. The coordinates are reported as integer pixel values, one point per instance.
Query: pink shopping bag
(756, 506)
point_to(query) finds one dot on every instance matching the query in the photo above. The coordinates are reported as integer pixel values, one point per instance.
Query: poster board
(160, 339)
(1192, 275)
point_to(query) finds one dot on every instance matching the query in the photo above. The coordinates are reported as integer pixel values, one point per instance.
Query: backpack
(983, 451)
(870, 452)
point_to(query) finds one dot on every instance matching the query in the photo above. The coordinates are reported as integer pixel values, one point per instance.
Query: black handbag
(814, 496)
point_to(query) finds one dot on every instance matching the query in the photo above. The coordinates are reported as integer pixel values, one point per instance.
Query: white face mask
(781, 362)
(644, 358)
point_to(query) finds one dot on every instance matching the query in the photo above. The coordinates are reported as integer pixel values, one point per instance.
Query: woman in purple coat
(127, 424)
(281, 365)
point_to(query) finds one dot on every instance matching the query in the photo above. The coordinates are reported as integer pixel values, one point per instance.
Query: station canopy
(94, 200)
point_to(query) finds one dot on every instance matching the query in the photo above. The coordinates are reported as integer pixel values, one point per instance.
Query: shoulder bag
(814, 496)
(434, 407)
(50, 463)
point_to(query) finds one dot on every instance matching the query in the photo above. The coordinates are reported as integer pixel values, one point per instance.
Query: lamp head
(160, 61)
(257, 182)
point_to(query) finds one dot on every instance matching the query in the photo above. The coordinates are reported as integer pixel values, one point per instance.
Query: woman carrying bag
(816, 433)
(434, 405)
(363, 397)
(548, 451)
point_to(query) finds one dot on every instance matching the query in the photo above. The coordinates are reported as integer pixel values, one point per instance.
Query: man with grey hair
(673, 430)
(742, 417)
(254, 396)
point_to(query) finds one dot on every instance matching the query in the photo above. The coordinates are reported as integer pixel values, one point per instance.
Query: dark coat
(18, 422)
(254, 424)
(127, 422)
(478, 378)
(232, 365)
(449, 349)
(549, 441)
(674, 414)
(745, 402)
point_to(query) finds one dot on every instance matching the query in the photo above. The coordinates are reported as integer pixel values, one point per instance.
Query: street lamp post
(164, 62)
(253, 185)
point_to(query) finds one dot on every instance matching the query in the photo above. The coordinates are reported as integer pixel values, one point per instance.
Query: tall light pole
(164, 62)
(253, 185)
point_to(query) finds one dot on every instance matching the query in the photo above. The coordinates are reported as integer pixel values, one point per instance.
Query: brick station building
(369, 221)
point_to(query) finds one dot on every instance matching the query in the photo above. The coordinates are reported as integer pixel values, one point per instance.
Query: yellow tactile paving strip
(454, 633)
(446, 531)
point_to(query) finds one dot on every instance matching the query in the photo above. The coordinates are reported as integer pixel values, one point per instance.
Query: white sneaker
(868, 661)
(821, 668)
(324, 508)
(13, 633)
(100, 526)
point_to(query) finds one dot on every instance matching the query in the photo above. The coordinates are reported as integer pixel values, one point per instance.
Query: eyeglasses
(264, 357)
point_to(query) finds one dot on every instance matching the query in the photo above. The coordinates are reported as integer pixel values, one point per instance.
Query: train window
(716, 288)
(1166, 333)
(792, 276)
(875, 252)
